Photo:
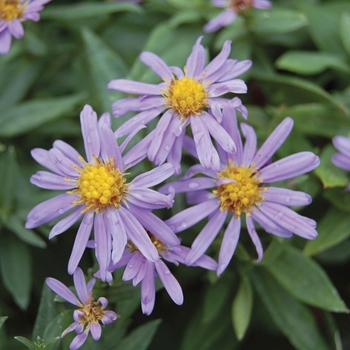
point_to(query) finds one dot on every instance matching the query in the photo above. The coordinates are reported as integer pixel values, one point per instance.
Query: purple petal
(133, 266)
(175, 154)
(96, 330)
(79, 340)
(69, 152)
(49, 181)
(219, 60)
(130, 137)
(42, 157)
(289, 167)
(60, 289)
(49, 210)
(154, 176)
(222, 20)
(67, 222)
(342, 161)
(148, 293)
(237, 86)
(80, 285)
(287, 197)
(158, 66)
(140, 103)
(199, 169)
(206, 236)
(109, 317)
(250, 144)
(134, 87)
(262, 4)
(169, 282)
(255, 238)
(230, 70)
(200, 196)
(189, 146)
(16, 28)
(190, 216)
(148, 199)
(229, 243)
(5, 42)
(195, 184)
(88, 121)
(273, 143)
(141, 273)
(342, 144)
(80, 241)
(63, 163)
(196, 60)
(73, 327)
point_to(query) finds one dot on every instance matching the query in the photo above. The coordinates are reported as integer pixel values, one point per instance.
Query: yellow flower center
(93, 312)
(186, 96)
(11, 9)
(100, 185)
(240, 5)
(239, 196)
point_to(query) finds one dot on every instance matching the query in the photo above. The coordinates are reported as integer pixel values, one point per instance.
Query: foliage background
(296, 297)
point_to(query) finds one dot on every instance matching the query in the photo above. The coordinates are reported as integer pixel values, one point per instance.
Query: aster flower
(232, 9)
(12, 14)
(139, 269)
(240, 188)
(189, 96)
(90, 315)
(98, 193)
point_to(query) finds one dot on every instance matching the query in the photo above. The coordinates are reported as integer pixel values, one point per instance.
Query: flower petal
(158, 66)
(148, 293)
(60, 289)
(287, 197)
(154, 176)
(255, 238)
(67, 222)
(80, 285)
(134, 87)
(96, 330)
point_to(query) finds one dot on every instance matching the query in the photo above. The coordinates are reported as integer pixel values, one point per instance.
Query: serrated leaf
(276, 20)
(104, 65)
(311, 62)
(85, 10)
(344, 30)
(140, 338)
(30, 345)
(328, 173)
(242, 308)
(46, 313)
(16, 269)
(32, 114)
(302, 277)
(333, 228)
(292, 318)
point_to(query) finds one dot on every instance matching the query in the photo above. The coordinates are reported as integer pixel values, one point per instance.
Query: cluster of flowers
(230, 178)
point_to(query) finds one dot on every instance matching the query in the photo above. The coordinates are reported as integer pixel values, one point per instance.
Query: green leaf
(292, 318)
(2, 320)
(15, 224)
(344, 30)
(301, 87)
(311, 62)
(141, 337)
(16, 269)
(85, 10)
(276, 21)
(184, 17)
(30, 345)
(333, 228)
(242, 308)
(317, 119)
(339, 198)
(46, 313)
(30, 115)
(104, 65)
(302, 277)
(53, 331)
(329, 174)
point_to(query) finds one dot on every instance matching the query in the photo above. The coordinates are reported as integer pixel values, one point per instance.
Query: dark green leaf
(2, 320)
(29, 115)
(141, 337)
(302, 277)
(292, 318)
(333, 228)
(16, 269)
(53, 331)
(85, 10)
(30, 345)
(339, 198)
(344, 28)
(242, 308)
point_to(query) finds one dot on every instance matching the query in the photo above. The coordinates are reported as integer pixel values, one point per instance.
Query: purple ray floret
(240, 187)
(342, 159)
(99, 194)
(90, 315)
(189, 96)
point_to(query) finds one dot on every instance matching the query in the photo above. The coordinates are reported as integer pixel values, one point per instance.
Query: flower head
(90, 315)
(139, 269)
(239, 188)
(232, 9)
(12, 14)
(188, 96)
(98, 192)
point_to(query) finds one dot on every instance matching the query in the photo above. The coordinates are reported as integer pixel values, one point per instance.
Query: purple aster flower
(98, 193)
(90, 315)
(139, 269)
(238, 189)
(12, 13)
(232, 9)
(189, 96)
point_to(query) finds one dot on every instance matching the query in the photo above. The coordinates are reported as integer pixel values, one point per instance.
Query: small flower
(239, 187)
(232, 9)
(12, 13)
(98, 192)
(189, 96)
(139, 269)
(90, 315)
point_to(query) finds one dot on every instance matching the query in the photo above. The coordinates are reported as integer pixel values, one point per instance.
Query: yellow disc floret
(93, 313)
(186, 97)
(241, 195)
(100, 185)
(11, 9)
